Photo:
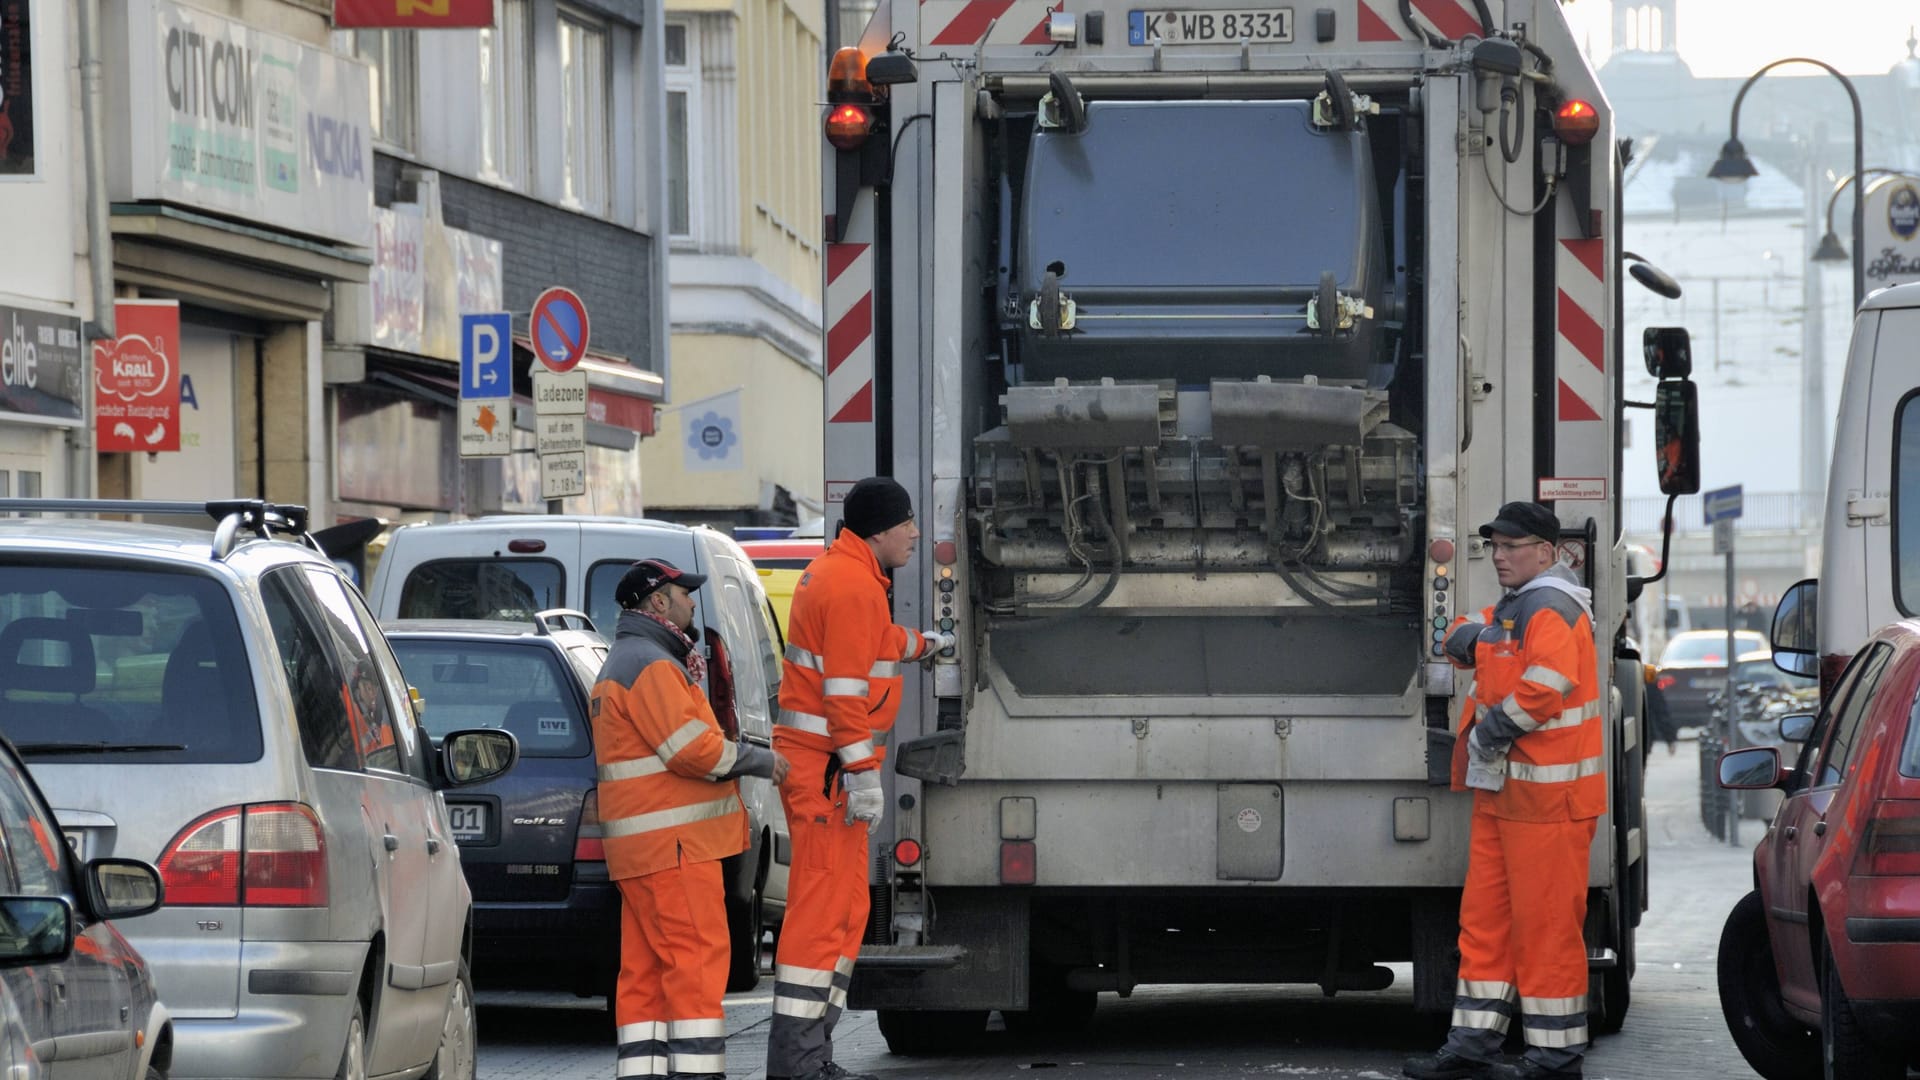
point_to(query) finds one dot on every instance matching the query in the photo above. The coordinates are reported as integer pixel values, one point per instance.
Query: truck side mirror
(1796, 628)
(1676, 437)
(1668, 351)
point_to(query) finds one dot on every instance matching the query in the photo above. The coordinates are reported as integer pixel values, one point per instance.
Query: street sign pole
(1732, 711)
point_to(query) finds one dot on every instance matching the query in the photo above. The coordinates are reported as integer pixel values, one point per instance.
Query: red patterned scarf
(696, 663)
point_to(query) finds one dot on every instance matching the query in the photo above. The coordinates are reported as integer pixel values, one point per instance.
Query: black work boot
(832, 1071)
(1526, 1069)
(1446, 1066)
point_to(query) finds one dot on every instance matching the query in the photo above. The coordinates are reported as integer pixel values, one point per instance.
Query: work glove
(865, 801)
(1486, 768)
(936, 640)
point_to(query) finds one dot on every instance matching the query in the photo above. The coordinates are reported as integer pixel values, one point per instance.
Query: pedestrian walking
(1531, 748)
(1660, 725)
(839, 694)
(670, 810)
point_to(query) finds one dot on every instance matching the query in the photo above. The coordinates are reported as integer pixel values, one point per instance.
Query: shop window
(585, 96)
(394, 57)
(506, 86)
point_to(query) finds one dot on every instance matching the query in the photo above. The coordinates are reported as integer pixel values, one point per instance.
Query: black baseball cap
(649, 574)
(1523, 520)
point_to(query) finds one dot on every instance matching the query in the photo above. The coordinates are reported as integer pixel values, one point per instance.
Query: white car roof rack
(258, 518)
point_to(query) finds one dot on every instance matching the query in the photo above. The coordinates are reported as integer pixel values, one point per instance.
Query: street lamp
(1734, 166)
(1830, 249)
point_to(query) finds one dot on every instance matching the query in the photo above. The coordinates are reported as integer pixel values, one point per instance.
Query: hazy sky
(1736, 37)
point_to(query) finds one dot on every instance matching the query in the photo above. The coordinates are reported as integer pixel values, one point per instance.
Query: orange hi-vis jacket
(665, 765)
(841, 686)
(1536, 692)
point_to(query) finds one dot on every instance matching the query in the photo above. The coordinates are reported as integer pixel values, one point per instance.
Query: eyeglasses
(1510, 546)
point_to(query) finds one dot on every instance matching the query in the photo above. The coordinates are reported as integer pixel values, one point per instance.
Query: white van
(1870, 559)
(510, 567)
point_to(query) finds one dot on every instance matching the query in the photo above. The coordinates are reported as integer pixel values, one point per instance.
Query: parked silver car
(225, 707)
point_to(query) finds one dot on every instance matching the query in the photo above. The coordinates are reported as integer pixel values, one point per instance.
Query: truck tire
(919, 1033)
(1616, 987)
(1775, 1044)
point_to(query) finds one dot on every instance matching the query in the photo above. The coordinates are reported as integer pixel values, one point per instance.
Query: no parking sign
(559, 328)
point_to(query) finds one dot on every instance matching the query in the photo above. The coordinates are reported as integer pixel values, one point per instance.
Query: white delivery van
(1870, 560)
(509, 567)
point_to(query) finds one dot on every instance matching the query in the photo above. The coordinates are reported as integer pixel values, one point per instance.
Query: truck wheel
(1616, 988)
(745, 925)
(1845, 1049)
(914, 1033)
(1775, 1044)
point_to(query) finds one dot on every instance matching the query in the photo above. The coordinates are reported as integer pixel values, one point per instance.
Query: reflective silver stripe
(844, 688)
(644, 1031)
(1485, 989)
(855, 751)
(1574, 717)
(729, 753)
(1548, 678)
(884, 669)
(843, 966)
(671, 746)
(666, 819)
(697, 1064)
(629, 770)
(837, 997)
(1479, 1018)
(804, 721)
(882, 738)
(642, 1066)
(1565, 1006)
(1555, 774)
(1558, 1039)
(800, 976)
(800, 657)
(799, 1008)
(1521, 718)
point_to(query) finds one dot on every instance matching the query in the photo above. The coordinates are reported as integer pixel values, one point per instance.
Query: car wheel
(353, 1057)
(1774, 1043)
(745, 924)
(922, 1033)
(1845, 1050)
(454, 1060)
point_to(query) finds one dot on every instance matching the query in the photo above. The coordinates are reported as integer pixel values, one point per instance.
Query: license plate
(1224, 26)
(1705, 683)
(468, 822)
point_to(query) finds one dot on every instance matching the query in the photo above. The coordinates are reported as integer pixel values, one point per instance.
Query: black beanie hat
(875, 505)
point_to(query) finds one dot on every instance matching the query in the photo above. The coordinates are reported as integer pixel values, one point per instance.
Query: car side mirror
(1796, 728)
(35, 930)
(477, 755)
(1756, 768)
(1796, 630)
(123, 888)
(1676, 437)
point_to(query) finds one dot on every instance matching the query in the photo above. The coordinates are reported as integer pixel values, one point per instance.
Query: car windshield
(521, 687)
(511, 589)
(1710, 648)
(106, 664)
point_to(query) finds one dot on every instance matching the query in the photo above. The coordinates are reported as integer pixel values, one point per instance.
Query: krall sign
(419, 14)
(136, 376)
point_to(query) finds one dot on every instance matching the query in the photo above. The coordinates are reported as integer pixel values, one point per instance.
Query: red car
(1819, 966)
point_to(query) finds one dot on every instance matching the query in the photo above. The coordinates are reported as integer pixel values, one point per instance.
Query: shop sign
(16, 88)
(223, 117)
(425, 276)
(136, 401)
(418, 14)
(42, 371)
(1893, 231)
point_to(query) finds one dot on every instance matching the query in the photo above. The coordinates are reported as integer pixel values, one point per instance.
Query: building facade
(740, 439)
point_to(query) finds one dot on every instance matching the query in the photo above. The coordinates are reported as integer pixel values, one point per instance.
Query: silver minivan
(223, 705)
(514, 567)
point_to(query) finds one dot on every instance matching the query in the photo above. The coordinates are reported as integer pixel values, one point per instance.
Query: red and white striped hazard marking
(965, 22)
(1452, 19)
(849, 333)
(1580, 345)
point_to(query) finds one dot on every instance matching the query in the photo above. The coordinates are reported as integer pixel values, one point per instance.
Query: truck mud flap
(984, 931)
(939, 758)
(1439, 757)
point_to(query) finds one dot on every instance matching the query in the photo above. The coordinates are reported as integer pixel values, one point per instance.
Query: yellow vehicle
(780, 564)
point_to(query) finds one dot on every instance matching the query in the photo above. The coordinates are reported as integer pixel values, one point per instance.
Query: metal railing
(1778, 511)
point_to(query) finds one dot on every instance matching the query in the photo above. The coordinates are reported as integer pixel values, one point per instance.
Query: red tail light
(1019, 862)
(1890, 846)
(270, 855)
(587, 845)
(1666, 682)
(1576, 123)
(906, 853)
(848, 126)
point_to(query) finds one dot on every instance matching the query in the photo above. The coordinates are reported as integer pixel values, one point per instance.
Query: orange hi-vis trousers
(827, 902)
(1521, 942)
(673, 972)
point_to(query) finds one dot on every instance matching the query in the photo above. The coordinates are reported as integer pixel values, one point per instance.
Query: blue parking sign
(486, 355)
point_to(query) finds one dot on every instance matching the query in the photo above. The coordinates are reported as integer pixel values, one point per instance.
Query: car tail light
(285, 857)
(270, 855)
(201, 867)
(526, 547)
(1666, 682)
(587, 845)
(1019, 862)
(906, 853)
(1890, 845)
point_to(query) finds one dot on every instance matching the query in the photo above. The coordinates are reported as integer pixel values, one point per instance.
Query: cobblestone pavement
(1197, 1033)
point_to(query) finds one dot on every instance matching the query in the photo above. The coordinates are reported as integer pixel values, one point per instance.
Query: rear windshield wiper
(95, 748)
